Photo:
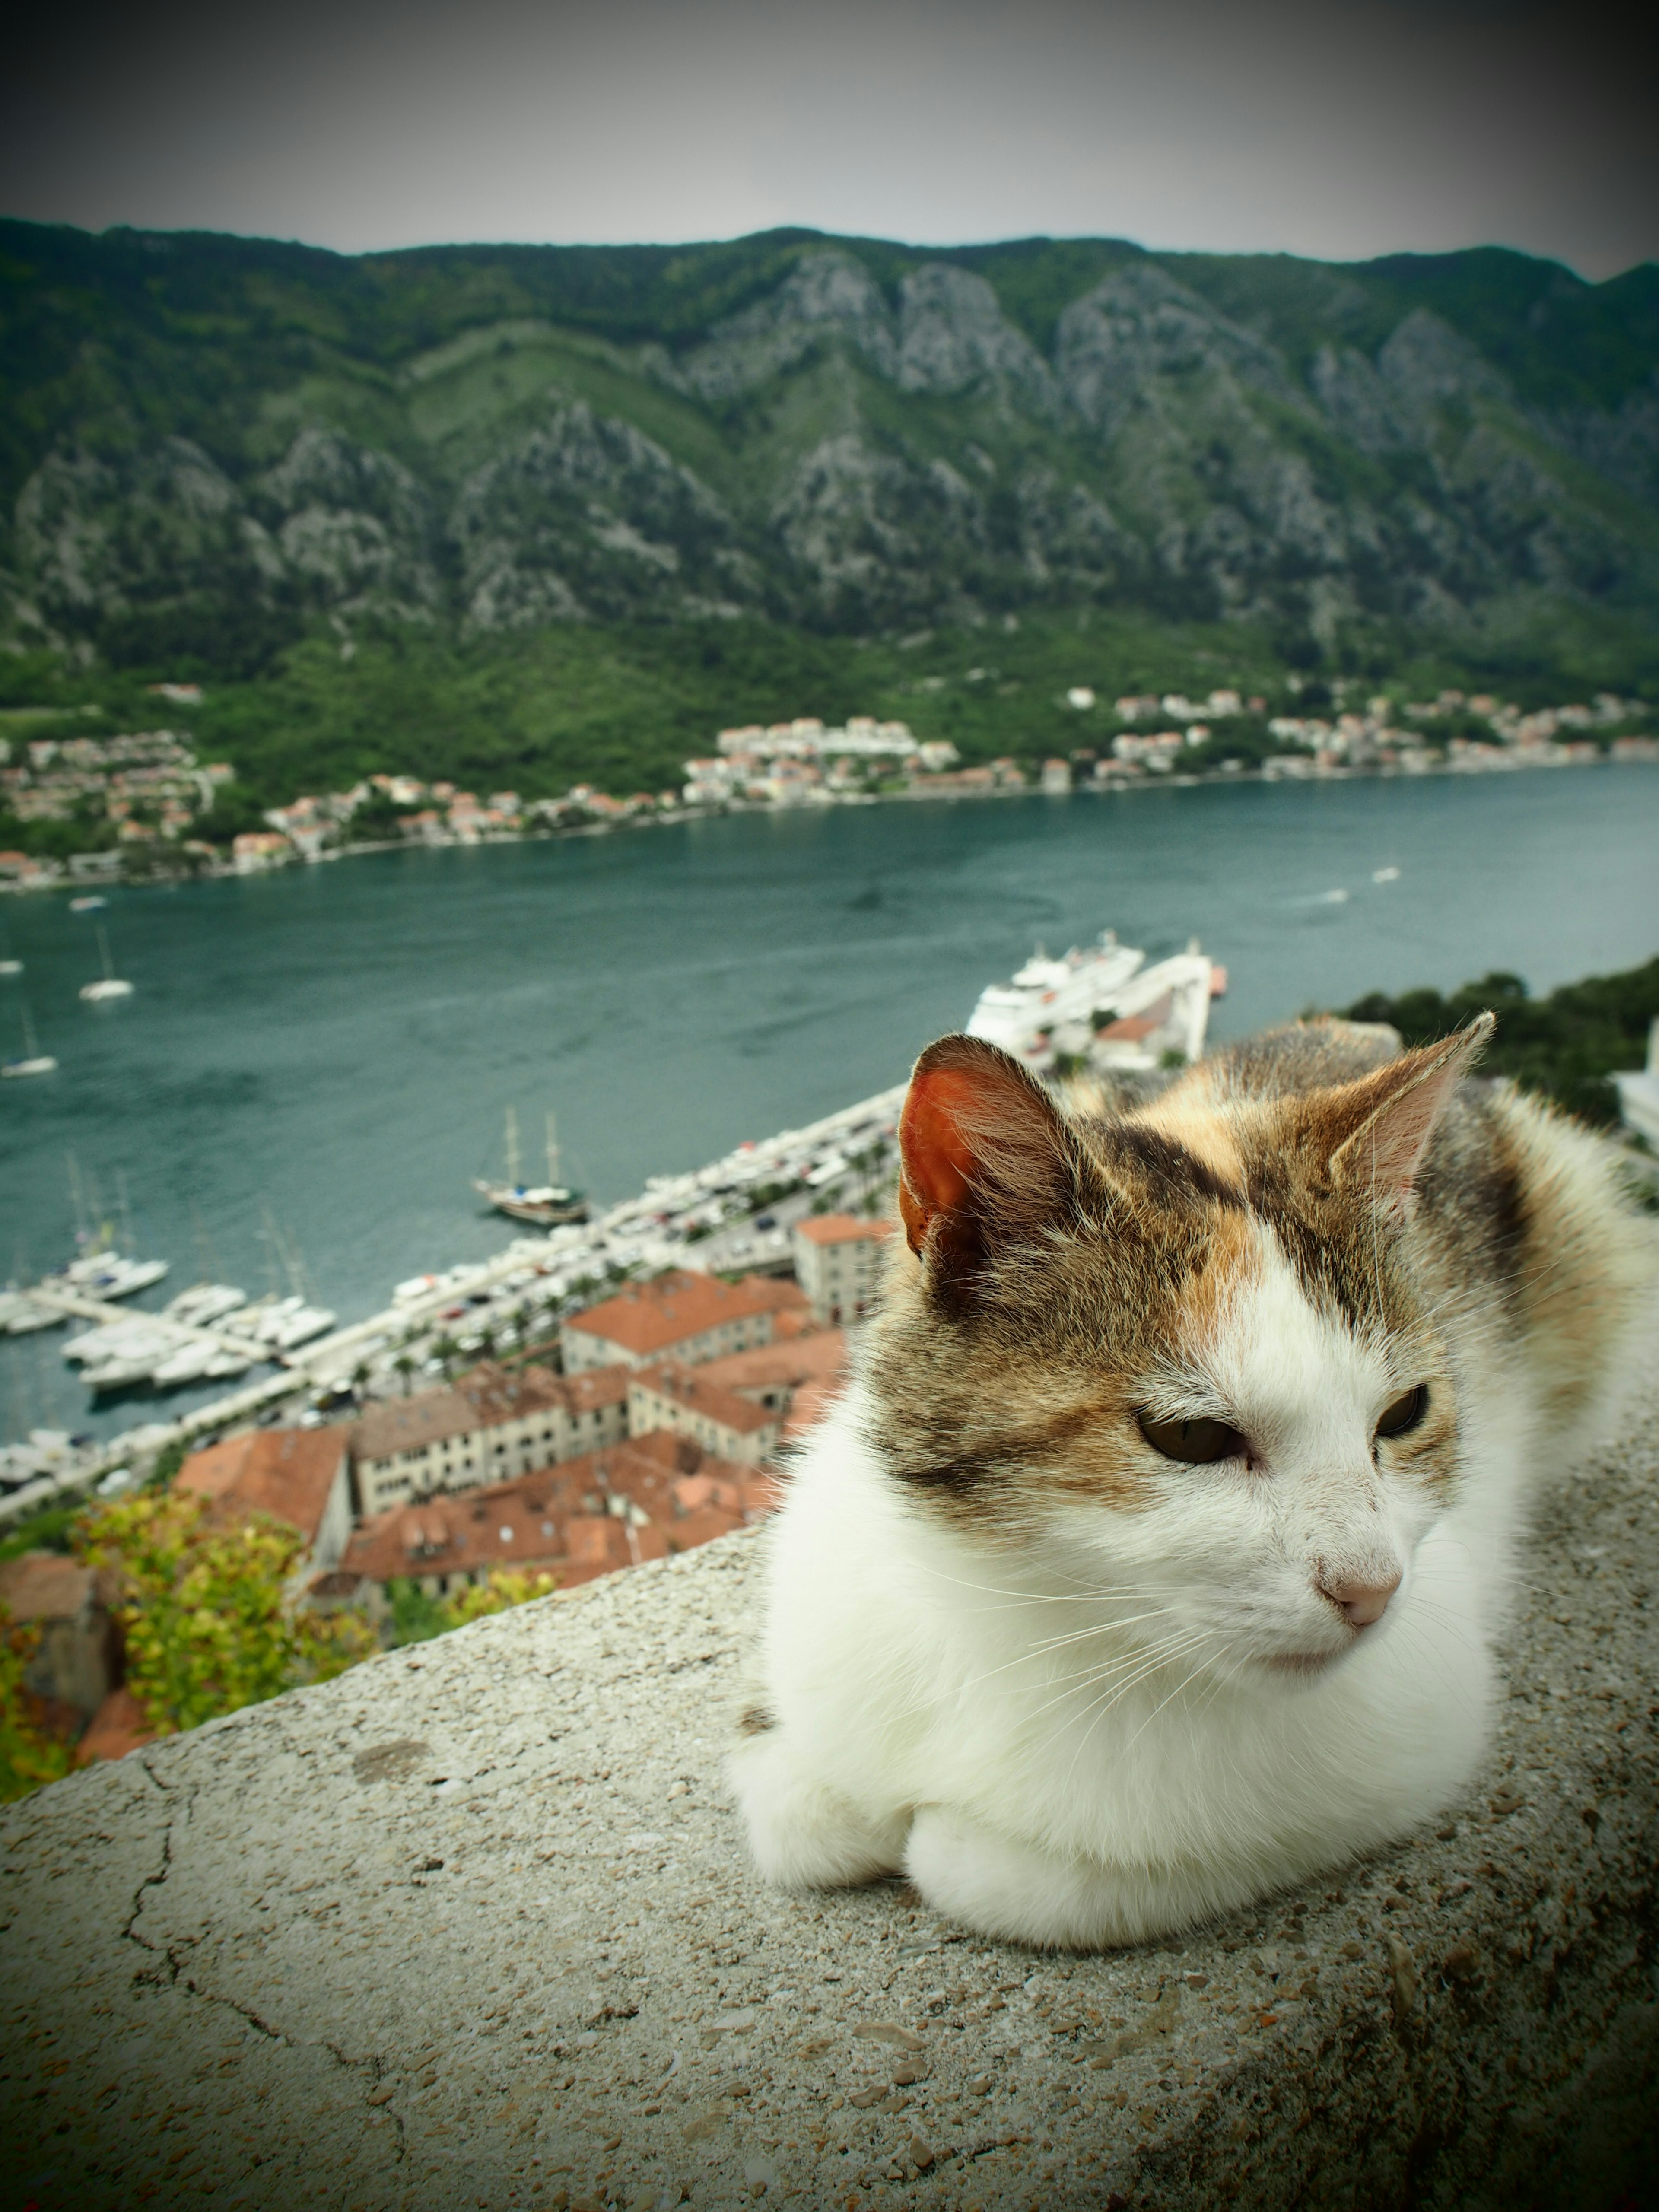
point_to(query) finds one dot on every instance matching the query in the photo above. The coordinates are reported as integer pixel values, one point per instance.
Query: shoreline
(1283, 768)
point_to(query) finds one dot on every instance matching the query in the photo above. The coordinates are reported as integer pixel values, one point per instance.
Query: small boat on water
(21, 1317)
(108, 1274)
(89, 903)
(204, 1303)
(109, 985)
(545, 1205)
(33, 1060)
(11, 967)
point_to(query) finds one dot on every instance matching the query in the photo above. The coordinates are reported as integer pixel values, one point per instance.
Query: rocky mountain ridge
(208, 461)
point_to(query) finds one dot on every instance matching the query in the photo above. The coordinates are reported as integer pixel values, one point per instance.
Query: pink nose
(1361, 1602)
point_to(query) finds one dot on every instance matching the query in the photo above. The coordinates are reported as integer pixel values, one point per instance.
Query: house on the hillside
(680, 1400)
(496, 1422)
(301, 1476)
(78, 1661)
(638, 1500)
(679, 1315)
(840, 1260)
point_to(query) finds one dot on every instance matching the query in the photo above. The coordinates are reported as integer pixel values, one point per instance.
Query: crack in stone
(129, 1932)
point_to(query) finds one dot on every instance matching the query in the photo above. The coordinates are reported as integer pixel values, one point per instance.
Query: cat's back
(1300, 1058)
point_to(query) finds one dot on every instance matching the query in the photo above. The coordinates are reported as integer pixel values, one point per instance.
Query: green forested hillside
(586, 503)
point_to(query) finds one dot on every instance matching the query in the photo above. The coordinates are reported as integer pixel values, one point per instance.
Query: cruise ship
(1101, 1007)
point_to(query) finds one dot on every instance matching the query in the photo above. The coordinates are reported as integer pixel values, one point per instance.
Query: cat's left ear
(1379, 1127)
(984, 1157)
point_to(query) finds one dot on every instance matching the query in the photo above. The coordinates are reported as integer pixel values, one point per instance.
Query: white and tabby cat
(1155, 1555)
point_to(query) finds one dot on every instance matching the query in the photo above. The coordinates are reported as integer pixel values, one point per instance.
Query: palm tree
(360, 1378)
(405, 1367)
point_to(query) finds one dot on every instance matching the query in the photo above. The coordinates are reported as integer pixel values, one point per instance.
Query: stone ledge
(475, 1924)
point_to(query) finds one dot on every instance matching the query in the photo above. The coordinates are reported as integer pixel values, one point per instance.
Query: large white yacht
(1101, 1007)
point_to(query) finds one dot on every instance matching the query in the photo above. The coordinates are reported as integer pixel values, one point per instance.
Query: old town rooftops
(503, 1394)
(671, 1496)
(770, 1371)
(687, 1386)
(842, 1229)
(486, 1398)
(652, 1317)
(290, 1473)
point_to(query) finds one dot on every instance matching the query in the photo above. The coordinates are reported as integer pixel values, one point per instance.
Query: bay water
(315, 1062)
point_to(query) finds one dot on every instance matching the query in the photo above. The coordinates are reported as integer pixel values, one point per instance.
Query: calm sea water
(316, 1062)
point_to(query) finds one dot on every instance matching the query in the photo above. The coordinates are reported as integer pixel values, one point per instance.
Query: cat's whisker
(1031, 1654)
(1159, 1708)
(1117, 1696)
(1144, 1657)
(1138, 1665)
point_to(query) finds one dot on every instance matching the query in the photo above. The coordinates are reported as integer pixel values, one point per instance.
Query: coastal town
(554, 1435)
(144, 803)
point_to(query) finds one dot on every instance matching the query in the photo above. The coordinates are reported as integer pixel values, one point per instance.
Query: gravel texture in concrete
(474, 1925)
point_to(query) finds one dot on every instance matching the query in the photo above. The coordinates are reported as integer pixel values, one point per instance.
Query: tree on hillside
(29, 1757)
(206, 1609)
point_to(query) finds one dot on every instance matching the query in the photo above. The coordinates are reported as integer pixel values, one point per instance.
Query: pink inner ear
(1387, 1149)
(937, 1156)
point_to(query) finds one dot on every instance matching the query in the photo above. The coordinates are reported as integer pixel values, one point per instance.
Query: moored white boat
(301, 1327)
(109, 985)
(204, 1303)
(1102, 1008)
(32, 1060)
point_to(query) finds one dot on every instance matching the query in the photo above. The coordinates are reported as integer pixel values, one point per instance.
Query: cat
(1152, 1558)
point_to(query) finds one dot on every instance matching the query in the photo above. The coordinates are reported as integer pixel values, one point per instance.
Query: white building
(839, 1263)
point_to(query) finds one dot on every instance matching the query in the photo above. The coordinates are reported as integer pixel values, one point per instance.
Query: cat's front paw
(1011, 1889)
(804, 1834)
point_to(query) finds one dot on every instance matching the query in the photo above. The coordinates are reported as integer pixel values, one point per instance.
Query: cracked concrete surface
(473, 1926)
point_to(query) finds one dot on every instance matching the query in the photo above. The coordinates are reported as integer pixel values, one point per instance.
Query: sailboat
(35, 1061)
(109, 984)
(546, 1204)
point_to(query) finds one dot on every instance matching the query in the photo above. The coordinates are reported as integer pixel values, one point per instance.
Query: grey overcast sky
(1334, 128)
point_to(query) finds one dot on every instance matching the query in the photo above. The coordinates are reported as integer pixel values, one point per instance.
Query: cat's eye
(1405, 1413)
(1197, 1443)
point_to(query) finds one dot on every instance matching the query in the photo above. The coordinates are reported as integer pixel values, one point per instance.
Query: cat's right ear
(985, 1161)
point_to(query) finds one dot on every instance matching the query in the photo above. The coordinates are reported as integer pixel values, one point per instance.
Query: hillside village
(658, 1419)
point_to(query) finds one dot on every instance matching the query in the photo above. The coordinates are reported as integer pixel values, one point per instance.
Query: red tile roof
(555, 1521)
(842, 1229)
(654, 1316)
(684, 1386)
(45, 1586)
(784, 1366)
(288, 1473)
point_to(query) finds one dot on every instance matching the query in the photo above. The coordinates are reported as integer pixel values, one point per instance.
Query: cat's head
(1180, 1354)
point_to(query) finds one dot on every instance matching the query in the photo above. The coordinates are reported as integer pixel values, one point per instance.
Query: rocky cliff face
(859, 452)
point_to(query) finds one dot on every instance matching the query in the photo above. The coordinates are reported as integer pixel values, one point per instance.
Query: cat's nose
(1360, 1601)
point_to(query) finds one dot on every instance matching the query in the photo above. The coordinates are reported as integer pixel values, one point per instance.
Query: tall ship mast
(545, 1205)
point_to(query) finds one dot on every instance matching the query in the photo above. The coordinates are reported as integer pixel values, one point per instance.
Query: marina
(324, 1055)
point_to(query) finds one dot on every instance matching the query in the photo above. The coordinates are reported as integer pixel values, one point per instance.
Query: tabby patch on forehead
(1170, 1169)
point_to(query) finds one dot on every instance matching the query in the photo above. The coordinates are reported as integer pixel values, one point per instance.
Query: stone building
(496, 1422)
(679, 1316)
(635, 1501)
(76, 1663)
(839, 1263)
(683, 1401)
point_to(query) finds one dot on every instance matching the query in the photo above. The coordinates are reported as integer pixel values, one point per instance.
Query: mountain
(210, 447)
